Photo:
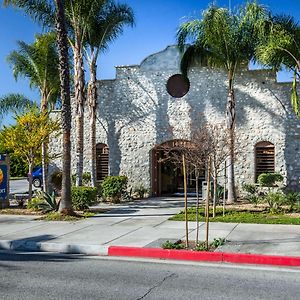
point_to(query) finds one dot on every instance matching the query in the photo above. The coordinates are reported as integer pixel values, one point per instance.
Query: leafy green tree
(280, 46)
(42, 11)
(39, 63)
(226, 40)
(26, 137)
(106, 27)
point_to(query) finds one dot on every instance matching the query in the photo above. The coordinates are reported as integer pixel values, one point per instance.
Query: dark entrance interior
(167, 176)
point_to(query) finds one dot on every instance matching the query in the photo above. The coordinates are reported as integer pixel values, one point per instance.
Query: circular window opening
(178, 86)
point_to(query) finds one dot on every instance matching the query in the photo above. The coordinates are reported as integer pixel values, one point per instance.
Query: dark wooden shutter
(265, 158)
(102, 152)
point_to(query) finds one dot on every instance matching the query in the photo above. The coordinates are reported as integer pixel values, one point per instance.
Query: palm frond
(295, 97)
(14, 103)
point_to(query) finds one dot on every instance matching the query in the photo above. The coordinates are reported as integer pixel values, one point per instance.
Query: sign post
(4, 180)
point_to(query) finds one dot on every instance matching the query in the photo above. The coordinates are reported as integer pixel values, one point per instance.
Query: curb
(20, 245)
(237, 258)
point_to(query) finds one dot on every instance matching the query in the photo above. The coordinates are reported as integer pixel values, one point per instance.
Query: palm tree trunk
(92, 103)
(79, 82)
(45, 166)
(230, 115)
(44, 150)
(65, 206)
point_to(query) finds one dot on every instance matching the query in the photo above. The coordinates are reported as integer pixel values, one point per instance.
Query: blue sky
(156, 25)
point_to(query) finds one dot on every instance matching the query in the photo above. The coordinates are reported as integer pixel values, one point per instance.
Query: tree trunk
(45, 166)
(185, 203)
(230, 115)
(92, 103)
(79, 82)
(197, 207)
(215, 190)
(30, 168)
(207, 203)
(65, 206)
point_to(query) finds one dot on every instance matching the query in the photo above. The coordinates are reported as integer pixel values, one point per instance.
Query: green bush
(292, 199)
(141, 191)
(275, 201)
(83, 197)
(56, 180)
(250, 188)
(269, 179)
(18, 166)
(86, 179)
(113, 187)
(35, 203)
(176, 245)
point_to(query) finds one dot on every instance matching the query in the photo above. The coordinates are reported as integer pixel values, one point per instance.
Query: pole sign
(4, 180)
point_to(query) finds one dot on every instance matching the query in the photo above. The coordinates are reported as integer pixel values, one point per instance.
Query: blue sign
(2, 157)
(3, 182)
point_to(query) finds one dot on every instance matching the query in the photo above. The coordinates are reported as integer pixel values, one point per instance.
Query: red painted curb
(164, 253)
(239, 258)
(260, 259)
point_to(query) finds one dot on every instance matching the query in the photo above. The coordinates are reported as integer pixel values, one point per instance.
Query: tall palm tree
(39, 63)
(106, 27)
(43, 12)
(280, 46)
(65, 206)
(80, 15)
(227, 40)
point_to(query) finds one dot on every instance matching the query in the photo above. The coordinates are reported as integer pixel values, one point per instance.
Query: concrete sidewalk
(141, 224)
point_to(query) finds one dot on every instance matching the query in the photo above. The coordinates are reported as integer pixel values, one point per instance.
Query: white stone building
(136, 114)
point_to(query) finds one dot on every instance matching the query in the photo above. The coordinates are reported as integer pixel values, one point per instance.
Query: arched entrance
(167, 176)
(102, 153)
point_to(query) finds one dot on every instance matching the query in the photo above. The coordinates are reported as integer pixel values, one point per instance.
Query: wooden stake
(224, 194)
(185, 203)
(207, 203)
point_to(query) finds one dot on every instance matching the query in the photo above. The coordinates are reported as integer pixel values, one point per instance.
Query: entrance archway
(167, 176)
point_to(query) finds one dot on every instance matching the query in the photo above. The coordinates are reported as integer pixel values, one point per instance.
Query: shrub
(83, 197)
(141, 191)
(34, 204)
(48, 202)
(275, 201)
(86, 179)
(176, 245)
(113, 187)
(291, 199)
(250, 188)
(56, 180)
(269, 179)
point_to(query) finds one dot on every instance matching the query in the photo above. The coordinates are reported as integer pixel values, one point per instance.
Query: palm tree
(107, 26)
(13, 103)
(43, 12)
(39, 63)
(280, 46)
(226, 40)
(65, 206)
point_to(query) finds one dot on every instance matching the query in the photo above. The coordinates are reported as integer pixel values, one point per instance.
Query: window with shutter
(264, 158)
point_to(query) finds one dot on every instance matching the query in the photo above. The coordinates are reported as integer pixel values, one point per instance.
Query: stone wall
(136, 113)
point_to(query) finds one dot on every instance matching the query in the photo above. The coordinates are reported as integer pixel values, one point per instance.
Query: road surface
(44, 276)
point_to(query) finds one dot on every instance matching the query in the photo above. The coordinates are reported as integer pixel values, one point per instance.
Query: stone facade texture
(135, 113)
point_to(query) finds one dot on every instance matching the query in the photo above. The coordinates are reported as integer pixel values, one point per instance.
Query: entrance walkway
(145, 223)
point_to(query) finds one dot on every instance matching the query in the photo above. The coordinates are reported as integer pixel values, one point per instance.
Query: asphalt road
(19, 186)
(44, 276)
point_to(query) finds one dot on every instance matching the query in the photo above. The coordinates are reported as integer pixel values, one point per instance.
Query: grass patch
(240, 216)
(55, 216)
(18, 211)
